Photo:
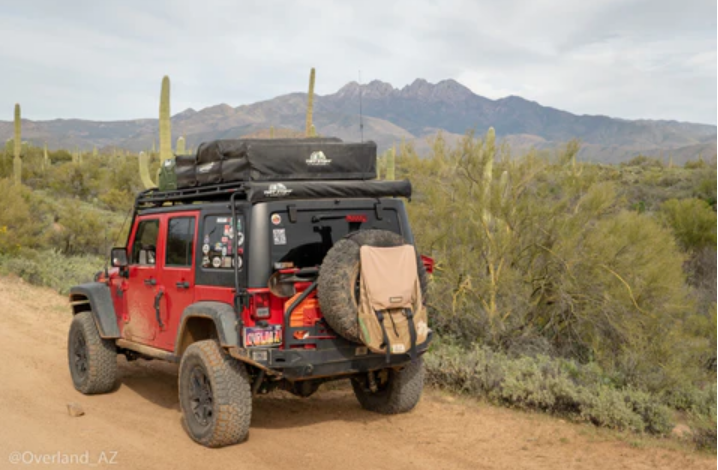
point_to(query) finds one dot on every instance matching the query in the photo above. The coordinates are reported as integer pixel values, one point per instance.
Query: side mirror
(118, 257)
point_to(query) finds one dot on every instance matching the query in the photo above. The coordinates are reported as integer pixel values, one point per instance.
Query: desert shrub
(698, 164)
(21, 222)
(50, 268)
(644, 161)
(82, 229)
(693, 222)
(117, 200)
(703, 418)
(60, 156)
(538, 255)
(552, 385)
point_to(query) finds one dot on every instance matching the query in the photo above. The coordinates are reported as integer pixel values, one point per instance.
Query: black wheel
(391, 391)
(92, 360)
(337, 289)
(215, 395)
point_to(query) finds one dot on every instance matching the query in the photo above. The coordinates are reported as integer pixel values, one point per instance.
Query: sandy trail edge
(138, 426)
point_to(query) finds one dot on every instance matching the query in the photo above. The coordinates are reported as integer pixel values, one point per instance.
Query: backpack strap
(412, 332)
(385, 337)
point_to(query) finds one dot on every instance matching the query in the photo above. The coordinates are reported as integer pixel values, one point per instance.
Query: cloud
(104, 60)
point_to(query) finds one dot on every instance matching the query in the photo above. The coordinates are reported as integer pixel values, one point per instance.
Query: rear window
(306, 242)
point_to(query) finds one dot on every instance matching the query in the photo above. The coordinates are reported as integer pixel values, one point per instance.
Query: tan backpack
(392, 318)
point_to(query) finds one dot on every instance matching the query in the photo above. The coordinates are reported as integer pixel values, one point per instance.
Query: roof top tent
(263, 170)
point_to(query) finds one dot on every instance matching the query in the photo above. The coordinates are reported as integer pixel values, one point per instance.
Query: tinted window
(144, 248)
(306, 242)
(180, 240)
(218, 240)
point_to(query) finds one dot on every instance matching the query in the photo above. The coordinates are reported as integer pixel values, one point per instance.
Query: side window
(180, 242)
(144, 248)
(218, 240)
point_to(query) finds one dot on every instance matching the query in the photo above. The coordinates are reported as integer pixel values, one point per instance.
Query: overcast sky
(105, 59)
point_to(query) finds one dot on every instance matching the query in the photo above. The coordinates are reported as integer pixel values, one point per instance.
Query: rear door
(177, 274)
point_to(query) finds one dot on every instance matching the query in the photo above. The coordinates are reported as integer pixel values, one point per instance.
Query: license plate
(265, 337)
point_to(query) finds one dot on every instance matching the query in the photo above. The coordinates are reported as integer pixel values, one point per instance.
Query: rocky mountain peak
(373, 89)
(445, 90)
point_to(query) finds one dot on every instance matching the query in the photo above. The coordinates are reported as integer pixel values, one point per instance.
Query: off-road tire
(400, 393)
(338, 276)
(230, 395)
(92, 360)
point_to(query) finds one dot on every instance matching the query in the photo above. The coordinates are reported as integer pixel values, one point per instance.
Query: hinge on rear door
(292, 210)
(378, 210)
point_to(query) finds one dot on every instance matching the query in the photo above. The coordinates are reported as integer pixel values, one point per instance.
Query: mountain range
(390, 115)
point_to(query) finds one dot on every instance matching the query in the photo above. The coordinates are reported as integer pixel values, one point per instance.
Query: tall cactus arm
(391, 165)
(310, 104)
(145, 171)
(181, 147)
(17, 160)
(165, 126)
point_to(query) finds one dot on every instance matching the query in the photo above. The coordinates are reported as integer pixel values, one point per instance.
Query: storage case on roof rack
(223, 161)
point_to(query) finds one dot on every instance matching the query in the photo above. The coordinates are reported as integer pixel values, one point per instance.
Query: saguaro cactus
(489, 152)
(181, 147)
(45, 157)
(165, 136)
(271, 132)
(17, 161)
(391, 164)
(165, 126)
(145, 171)
(310, 104)
(94, 151)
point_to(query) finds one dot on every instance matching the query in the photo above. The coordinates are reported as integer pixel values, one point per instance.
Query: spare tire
(338, 285)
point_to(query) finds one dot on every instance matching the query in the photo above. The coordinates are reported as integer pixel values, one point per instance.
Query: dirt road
(138, 426)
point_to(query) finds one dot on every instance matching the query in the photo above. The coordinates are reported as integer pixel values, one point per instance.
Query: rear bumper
(300, 364)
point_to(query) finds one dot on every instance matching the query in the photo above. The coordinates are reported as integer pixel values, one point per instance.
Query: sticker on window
(280, 236)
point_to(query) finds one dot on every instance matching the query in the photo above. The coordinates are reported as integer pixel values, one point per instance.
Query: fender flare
(223, 316)
(100, 304)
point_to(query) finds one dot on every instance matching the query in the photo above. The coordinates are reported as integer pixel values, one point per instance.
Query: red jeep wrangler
(249, 285)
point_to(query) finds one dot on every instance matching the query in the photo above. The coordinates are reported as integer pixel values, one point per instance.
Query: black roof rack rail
(154, 197)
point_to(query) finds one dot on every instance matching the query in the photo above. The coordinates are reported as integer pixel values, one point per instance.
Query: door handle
(183, 285)
(151, 282)
(158, 297)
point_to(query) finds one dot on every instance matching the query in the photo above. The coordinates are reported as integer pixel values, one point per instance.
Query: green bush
(703, 418)
(693, 222)
(21, 222)
(540, 254)
(552, 385)
(50, 268)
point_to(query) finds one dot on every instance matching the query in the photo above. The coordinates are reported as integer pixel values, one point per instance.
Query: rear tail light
(261, 306)
(428, 264)
(361, 218)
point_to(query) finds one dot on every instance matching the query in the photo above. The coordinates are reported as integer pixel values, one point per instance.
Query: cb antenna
(361, 114)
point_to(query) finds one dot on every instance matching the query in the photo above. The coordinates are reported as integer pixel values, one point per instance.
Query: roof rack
(154, 197)
(260, 191)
